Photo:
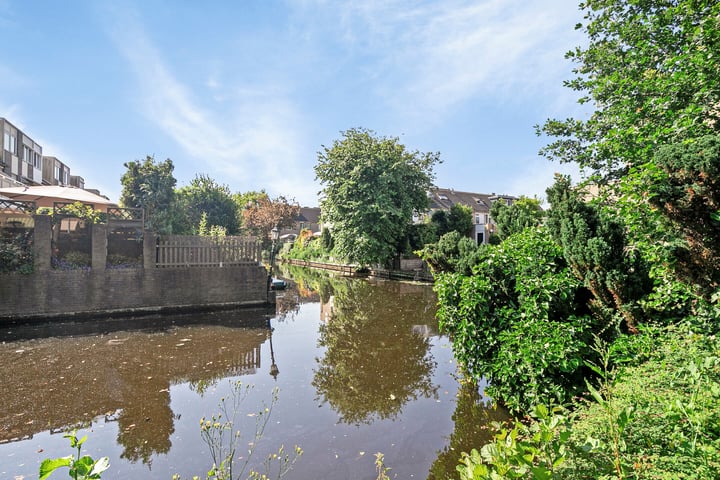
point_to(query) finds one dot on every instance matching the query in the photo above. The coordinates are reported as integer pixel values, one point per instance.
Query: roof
(309, 215)
(444, 198)
(46, 195)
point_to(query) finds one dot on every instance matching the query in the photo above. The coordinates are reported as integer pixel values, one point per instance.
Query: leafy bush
(685, 187)
(16, 253)
(519, 320)
(656, 419)
(533, 450)
(73, 261)
(595, 247)
(452, 253)
(116, 261)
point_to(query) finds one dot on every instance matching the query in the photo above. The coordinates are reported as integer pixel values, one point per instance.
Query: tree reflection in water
(377, 354)
(473, 420)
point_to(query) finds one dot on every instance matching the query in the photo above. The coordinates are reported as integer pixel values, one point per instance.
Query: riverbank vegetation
(599, 328)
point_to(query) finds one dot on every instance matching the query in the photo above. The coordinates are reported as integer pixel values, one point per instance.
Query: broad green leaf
(48, 466)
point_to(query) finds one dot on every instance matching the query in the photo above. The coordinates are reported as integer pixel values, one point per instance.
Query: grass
(674, 400)
(657, 416)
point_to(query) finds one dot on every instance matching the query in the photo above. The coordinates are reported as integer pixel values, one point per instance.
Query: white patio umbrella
(47, 195)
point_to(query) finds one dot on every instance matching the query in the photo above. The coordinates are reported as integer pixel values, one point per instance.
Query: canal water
(358, 367)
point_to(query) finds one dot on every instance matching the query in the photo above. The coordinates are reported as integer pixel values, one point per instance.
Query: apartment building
(21, 158)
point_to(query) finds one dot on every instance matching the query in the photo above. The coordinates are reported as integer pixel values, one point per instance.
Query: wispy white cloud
(430, 57)
(246, 133)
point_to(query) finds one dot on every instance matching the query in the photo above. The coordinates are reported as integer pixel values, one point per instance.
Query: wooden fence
(195, 251)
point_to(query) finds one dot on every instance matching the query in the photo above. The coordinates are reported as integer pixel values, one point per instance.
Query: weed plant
(652, 419)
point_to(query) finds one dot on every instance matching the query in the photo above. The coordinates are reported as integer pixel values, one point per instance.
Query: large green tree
(371, 188)
(205, 195)
(650, 69)
(685, 187)
(150, 185)
(458, 219)
(595, 246)
(650, 72)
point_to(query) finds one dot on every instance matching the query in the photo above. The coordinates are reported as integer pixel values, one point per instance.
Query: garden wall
(87, 293)
(99, 291)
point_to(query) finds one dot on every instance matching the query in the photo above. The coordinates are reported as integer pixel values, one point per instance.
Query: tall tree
(205, 195)
(371, 187)
(595, 247)
(151, 186)
(511, 219)
(686, 189)
(650, 68)
(261, 213)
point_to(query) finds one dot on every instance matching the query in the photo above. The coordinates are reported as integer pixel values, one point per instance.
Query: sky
(249, 91)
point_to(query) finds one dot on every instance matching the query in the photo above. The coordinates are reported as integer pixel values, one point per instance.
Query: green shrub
(533, 450)
(115, 260)
(73, 260)
(16, 254)
(453, 252)
(519, 320)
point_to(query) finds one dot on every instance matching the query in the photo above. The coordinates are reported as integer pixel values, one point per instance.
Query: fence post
(149, 249)
(42, 243)
(98, 247)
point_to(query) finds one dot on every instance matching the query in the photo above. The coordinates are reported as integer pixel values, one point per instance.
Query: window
(10, 144)
(477, 218)
(487, 218)
(27, 154)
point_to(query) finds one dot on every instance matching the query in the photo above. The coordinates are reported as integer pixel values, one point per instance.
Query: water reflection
(367, 353)
(376, 345)
(88, 370)
(472, 419)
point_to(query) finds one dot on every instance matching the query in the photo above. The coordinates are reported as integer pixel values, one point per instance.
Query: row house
(21, 158)
(55, 172)
(22, 162)
(483, 224)
(307, 218)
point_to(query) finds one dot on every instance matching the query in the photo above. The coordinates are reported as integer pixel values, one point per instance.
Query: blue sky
(248, 91)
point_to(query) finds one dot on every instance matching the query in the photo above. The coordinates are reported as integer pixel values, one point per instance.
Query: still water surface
(360, 368)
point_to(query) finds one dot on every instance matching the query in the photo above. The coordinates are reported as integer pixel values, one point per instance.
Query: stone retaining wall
(99, 291)
(74, 293)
